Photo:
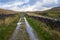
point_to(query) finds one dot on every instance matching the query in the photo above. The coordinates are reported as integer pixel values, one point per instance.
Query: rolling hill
(4, 11)
(53, 13)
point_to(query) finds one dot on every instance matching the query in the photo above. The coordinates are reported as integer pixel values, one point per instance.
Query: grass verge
(42, 30)
(7, 26)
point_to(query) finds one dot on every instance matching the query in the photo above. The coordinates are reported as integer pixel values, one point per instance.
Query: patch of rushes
(41, 29)
(7, 26)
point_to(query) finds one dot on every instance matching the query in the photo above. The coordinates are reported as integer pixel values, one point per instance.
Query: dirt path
(23, 31)
(20, 31)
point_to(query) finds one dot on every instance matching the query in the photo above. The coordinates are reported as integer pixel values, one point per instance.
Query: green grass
(39, 27)
(8, 26)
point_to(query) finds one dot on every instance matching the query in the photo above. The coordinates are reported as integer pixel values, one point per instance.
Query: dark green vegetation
(43, 31)
(8, 25)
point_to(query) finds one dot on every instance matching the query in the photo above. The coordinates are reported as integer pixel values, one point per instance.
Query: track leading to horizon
(23, 31)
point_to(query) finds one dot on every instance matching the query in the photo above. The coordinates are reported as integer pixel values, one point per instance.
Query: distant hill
(4, 11)
(56, 9)
(53, 13)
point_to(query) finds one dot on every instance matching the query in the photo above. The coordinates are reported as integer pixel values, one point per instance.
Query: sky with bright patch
(28, 5)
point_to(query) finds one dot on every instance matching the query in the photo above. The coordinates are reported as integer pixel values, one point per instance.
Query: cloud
(12, 4)
(50, 1)
(27, 5)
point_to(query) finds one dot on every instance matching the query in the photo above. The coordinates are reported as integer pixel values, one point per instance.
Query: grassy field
(7, 26)
(49, 14)
(53, 14)
(43, 30)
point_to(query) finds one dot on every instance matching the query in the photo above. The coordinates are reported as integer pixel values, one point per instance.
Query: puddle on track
(30, 31)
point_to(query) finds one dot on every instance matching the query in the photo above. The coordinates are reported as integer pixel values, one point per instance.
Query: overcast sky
(28, 5)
